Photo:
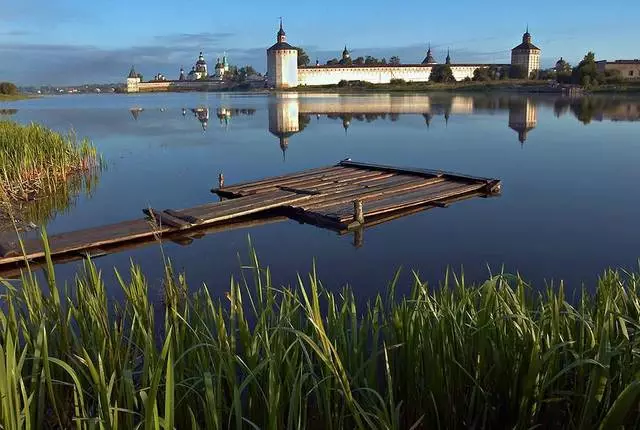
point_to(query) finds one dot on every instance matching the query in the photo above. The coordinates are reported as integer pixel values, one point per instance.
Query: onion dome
(345, 53)
(219, 65)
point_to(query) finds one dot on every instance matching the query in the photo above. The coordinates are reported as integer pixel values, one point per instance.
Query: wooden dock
(345, 197)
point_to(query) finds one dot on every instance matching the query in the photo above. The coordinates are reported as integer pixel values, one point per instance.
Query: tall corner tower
(282, 63)
(133, 81)
(526, 55)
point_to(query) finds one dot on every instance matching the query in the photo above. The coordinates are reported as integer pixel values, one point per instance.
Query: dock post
(358, 237)
(358, 213)
(221, 180)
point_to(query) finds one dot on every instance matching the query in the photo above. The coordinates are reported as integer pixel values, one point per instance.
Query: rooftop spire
(282, 37)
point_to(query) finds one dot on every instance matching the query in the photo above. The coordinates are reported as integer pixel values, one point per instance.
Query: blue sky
(70, 42)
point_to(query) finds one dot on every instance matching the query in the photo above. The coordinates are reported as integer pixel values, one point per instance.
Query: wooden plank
(295, 182)
(273, 179)
(217, 216)
(398, 184)
(363, 183)
(163, 219)
(345, 206)
(10, 270)
(6, 250)
(241, 203)
(415, 171)
(299, 191)
(180, 215)
(389, 205)
(326, 184)
(91, 238)
(278, 177)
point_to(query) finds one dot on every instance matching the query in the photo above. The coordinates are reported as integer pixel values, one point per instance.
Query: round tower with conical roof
(282, 62)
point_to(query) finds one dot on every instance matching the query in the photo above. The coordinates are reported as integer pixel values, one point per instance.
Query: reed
(36, 161)
(494, 355)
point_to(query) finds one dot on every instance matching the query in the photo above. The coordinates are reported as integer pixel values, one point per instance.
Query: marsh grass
(36, 161)
(495, 355)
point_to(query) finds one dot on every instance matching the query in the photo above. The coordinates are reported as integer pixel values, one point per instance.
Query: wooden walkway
(346, 197)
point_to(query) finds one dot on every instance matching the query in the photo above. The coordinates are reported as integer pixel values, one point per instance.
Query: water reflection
(289, 114)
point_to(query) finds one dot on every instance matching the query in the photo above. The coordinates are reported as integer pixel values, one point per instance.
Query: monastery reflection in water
(289, 114)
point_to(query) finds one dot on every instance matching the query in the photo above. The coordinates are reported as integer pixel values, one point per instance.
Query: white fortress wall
(323, 75)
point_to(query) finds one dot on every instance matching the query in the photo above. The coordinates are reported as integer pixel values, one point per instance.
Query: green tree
(345, 61)
(371, 60)
(441, 73)
(482, 74)
(359, 61)
(586, 72)
(8, 88)
(333, 62)
(244, 72)
(518, 72)
(395, 60)
(303, 58)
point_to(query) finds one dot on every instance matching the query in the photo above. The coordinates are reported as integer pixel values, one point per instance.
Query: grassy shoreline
(35, 160)
(15, 97)
(265, 356)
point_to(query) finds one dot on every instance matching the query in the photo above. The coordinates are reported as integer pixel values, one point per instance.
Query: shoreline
(16, 97)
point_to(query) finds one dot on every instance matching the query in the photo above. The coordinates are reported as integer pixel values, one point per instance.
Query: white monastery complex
(283, 70)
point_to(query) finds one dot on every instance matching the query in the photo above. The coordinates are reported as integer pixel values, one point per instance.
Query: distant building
(523, 117)
(283, 70)
(526, 55)
(562, 66)
(429, 58)
(629, 69)
(199, 71)
(133, 81)
(282, 62)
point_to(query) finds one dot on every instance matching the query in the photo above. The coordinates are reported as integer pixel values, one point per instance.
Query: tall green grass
(495, 355)
(35, 160)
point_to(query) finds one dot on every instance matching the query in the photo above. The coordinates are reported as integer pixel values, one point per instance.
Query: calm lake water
(569, 170)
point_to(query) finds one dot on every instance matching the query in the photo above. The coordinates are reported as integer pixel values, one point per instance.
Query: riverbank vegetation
(496, 355)
(35, 160)
(9, 92)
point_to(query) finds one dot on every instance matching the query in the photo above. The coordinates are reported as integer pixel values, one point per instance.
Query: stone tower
(526, 55)
(133, 81)
(284, 119)
(523, 117)
(282, 63)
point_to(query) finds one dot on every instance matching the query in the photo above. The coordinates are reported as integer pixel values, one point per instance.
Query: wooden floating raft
(344, 197)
